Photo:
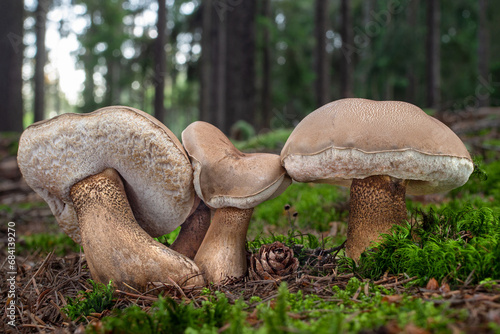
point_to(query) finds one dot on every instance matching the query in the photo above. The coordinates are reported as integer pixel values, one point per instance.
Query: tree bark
(483, 49)
(40, 59)
(11, 62)
(266, 94)
(412, 15)
(346, 65)
(433, 53)
(219, 81)
(240, 62)
(321, 57)
(206, 63)
(160, 62)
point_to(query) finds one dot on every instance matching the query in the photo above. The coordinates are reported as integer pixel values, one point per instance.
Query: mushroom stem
(193, 231)
(115, 246)
(376, 204)
(222, 252)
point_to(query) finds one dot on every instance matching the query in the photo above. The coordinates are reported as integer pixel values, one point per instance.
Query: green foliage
(270, 141)
(316, 206)
(287, 313)
(60, 243)
(100, 298)
(168, 316)
(450, 244)
(242, 130)
(169, 238)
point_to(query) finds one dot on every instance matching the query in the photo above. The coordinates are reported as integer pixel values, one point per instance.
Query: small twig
(42, 266)
(390, 285)
(134, 295)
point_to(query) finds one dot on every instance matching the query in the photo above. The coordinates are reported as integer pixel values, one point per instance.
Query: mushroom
(233, 183)
(113, 179)
(193, 231)
(382, 150)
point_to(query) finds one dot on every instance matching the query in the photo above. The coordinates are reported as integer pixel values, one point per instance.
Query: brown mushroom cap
(226, 177)
(357, 138)
(56, 154)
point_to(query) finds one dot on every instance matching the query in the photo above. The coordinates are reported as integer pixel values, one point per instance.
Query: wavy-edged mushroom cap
(226, 177)
(357, 138)
(55, 154)
(234, 183)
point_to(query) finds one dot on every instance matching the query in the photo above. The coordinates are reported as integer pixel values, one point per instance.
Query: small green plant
(169, 238)
(98, 299)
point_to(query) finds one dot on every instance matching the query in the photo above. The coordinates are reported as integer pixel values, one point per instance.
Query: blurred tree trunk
(433, 53)
(206, 63)
(219, 40)
(412, 16)
(346, 32)
(266, 94)
(321, 84)
(364, 85)
(228, 68)
(40, 59)
(160, 62)
(240, 60)
(11, 62)
(483, 49)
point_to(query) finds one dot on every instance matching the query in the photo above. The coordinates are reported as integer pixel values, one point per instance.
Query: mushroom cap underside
(356, 138)
(57, 153)
(226, 177)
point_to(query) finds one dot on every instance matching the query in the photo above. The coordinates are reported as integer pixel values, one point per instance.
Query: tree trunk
(412, 16)
(240, 62)
(160, 62)
(40, 59)
(11, 62)
(483, 49)
(321, 84)
(228, 78)
(433, 53)
(206, 63)
(346, 65)
(266, 94)
(219, 39)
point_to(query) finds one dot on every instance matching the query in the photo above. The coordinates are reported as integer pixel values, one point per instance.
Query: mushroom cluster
(114, 178)
(117, 177)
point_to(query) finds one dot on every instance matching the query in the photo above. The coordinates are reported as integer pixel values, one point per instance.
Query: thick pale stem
(222, 252)
(193, 231)
(376, 204)
(115, 246)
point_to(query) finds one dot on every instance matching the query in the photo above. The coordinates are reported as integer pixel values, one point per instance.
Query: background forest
(266, 62)
(254, 69)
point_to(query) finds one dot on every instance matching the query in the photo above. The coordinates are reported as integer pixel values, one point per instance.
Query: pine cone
(272, 262)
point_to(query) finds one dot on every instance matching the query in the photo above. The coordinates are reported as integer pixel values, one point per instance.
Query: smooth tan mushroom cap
(357, 138)
(226, 177)
(57, 153)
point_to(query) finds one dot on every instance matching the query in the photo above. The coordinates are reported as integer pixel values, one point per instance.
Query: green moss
(60, 243)
(451, 244)
(98, 299)
(316, 206)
